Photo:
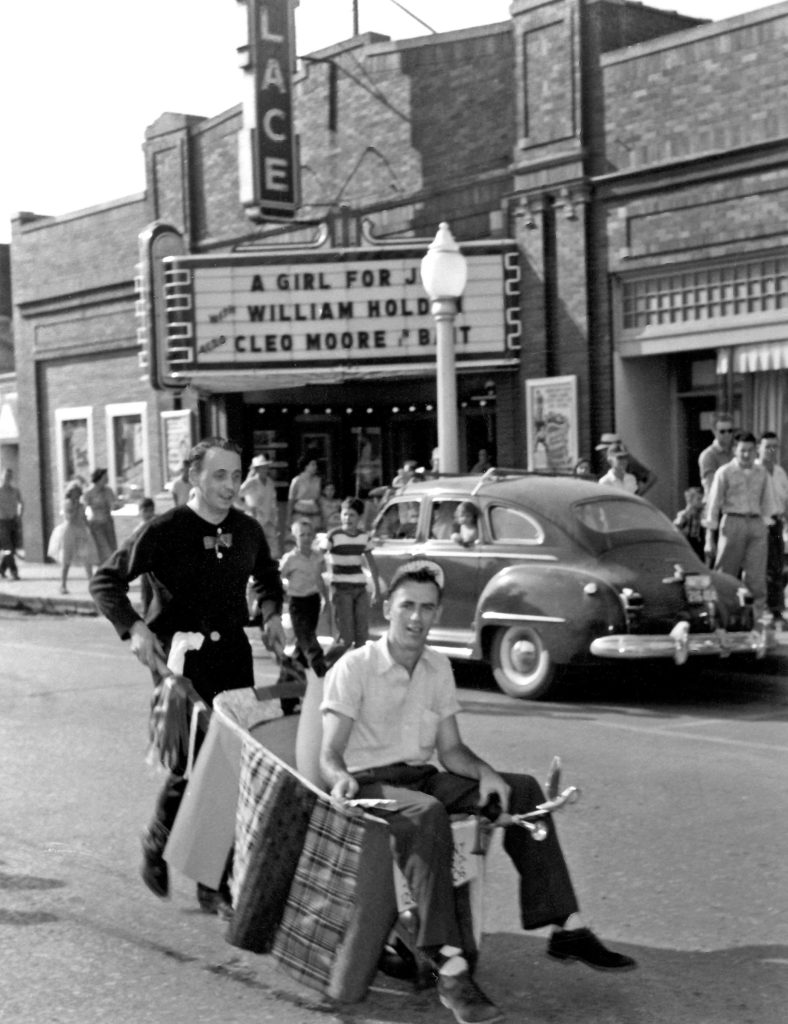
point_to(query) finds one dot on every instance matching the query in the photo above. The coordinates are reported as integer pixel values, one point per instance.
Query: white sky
(80, 80)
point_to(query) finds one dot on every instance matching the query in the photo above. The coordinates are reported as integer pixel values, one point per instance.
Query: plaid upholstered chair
(313, 886)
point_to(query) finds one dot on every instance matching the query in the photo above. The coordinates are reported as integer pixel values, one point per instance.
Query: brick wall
(409, 118)
(75, 338)
(708, 90)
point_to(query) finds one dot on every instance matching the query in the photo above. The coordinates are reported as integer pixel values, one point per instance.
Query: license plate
(699, 589)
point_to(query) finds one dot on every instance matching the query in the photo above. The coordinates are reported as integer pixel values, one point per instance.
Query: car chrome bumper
(681, 645)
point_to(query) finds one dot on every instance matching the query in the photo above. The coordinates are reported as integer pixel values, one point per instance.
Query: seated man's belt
(743, 515)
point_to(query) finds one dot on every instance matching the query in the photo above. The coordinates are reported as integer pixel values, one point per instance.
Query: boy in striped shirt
(347, 550)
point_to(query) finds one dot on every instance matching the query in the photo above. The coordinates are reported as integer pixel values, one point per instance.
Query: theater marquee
(349, 307)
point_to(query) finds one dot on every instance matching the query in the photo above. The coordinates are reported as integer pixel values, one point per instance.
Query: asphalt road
(678, 849)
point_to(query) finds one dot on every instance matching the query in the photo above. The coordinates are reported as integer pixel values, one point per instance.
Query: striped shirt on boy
(345, 556)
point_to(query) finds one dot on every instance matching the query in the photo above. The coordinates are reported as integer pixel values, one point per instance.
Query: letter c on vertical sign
(268, 128)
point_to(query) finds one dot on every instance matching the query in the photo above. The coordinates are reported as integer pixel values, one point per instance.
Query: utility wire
(415, 17)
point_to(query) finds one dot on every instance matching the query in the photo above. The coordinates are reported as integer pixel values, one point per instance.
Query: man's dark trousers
(775, 568)
(423, 846)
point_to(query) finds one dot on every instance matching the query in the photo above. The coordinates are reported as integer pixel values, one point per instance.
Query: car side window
(398, 521)
(510, 524)
(442, 520)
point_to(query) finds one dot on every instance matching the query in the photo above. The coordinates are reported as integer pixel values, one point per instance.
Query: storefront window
(707, 293)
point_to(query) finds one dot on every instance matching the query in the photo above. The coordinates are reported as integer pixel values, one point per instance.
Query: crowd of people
(735, 520)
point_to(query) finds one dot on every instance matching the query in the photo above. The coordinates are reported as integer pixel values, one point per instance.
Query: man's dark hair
(199, 451)
(420, 570)
(746, 437)
(97, 474)
(356, 504)
(145, 503)
(769, 435)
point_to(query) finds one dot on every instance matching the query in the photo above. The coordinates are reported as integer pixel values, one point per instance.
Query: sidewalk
(38, 590)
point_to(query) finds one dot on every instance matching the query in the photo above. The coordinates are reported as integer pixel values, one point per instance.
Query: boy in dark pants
(301, 570)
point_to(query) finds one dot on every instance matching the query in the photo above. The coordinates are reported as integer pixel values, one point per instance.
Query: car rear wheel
(521, 663)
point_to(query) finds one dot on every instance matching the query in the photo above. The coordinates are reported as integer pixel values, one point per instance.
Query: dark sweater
(194, 589)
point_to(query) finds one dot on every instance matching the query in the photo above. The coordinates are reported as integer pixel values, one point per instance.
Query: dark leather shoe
(460, 994)
(581, 944)
(154, 868)
(214, 901)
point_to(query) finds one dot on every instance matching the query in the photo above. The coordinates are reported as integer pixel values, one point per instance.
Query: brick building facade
(637, 159)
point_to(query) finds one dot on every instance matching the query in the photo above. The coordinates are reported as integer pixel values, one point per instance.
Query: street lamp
(444, 271)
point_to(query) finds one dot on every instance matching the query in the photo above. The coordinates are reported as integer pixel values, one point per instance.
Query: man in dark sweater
(199, 558)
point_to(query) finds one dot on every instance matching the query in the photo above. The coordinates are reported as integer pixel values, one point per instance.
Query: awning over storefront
(759, 358)
(226, 381)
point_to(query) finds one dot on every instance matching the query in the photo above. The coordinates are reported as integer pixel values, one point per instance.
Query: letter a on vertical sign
(267, 145)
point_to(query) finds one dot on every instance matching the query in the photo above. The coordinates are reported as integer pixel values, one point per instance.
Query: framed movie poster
(551, 423)
(176, 436)
(74, 431)
(127, 448)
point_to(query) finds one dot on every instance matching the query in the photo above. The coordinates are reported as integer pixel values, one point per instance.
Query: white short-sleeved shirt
(629, 482)
(395, 715)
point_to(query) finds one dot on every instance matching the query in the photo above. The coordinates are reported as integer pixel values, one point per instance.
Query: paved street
(678, 848)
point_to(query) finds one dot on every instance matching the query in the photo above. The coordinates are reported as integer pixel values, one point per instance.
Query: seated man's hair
(419, 570)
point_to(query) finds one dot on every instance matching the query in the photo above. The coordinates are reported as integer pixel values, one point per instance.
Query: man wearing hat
(644, 477)
(258, 493)
(618, 475)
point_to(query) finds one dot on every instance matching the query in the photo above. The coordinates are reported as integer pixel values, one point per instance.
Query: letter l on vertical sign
(267, 145)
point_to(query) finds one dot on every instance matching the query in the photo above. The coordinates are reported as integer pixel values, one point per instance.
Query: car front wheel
(521, 663)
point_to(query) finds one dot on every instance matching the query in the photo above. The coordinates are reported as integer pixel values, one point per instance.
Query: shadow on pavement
(725, 986)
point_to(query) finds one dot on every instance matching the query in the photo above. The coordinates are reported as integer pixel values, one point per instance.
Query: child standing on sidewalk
(689, 520)
(347, 550)
(301, 570)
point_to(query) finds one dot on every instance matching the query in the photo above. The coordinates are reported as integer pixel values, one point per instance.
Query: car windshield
(398, 521)
(609, 516)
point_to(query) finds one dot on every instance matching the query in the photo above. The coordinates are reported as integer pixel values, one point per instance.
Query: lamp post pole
(444, 312)
(444, 272)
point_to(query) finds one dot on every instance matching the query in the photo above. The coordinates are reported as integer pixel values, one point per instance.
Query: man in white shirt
(391, 706)
(768, 450)
(741, 504)
(618, 475)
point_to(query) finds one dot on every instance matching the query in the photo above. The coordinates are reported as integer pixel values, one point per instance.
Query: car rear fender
(569, 607)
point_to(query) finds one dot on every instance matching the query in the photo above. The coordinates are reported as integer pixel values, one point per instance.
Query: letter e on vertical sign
(267, 145)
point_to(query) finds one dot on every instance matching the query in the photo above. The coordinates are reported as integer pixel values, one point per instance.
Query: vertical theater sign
(267, 154)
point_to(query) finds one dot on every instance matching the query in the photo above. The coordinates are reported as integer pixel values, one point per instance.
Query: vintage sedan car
(565, 572)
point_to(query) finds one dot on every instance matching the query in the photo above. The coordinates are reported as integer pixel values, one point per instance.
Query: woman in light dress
(71, 542)
(101, 501)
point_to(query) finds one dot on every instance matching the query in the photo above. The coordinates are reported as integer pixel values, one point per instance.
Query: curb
(48, 605)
